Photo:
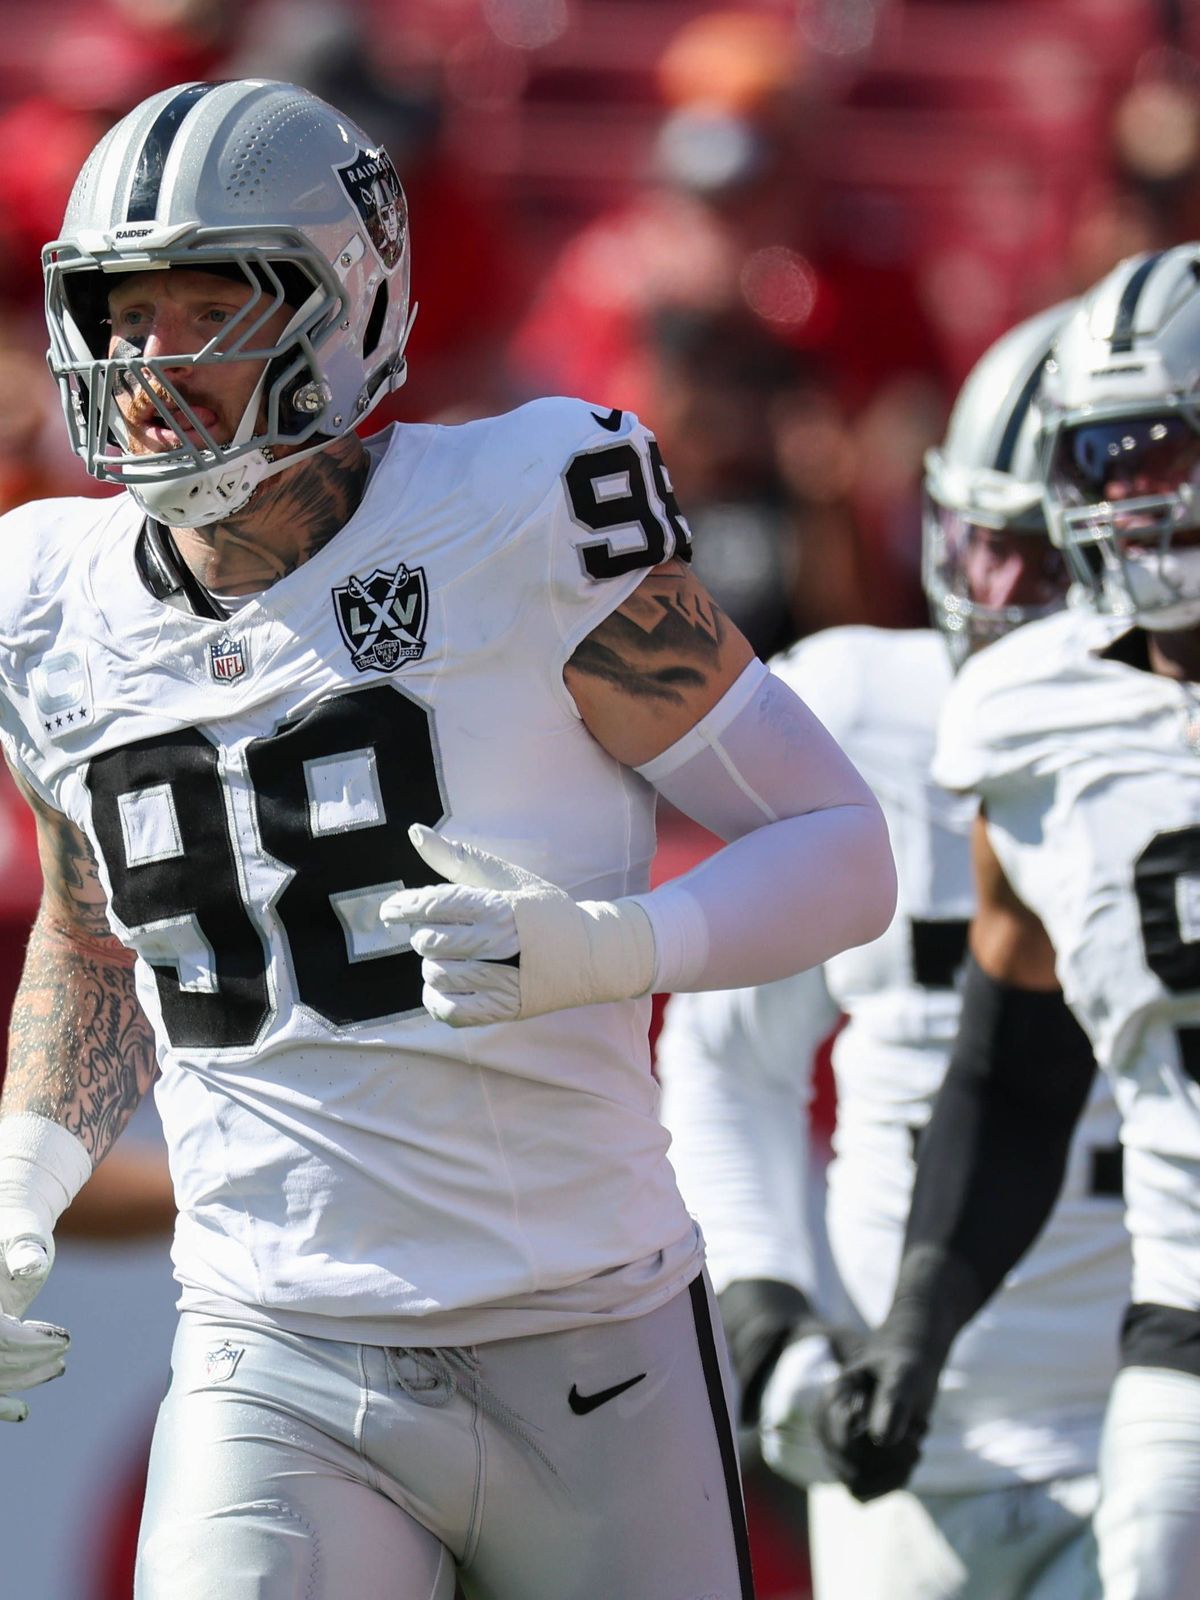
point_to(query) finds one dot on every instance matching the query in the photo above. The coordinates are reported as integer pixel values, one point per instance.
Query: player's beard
(140, 410)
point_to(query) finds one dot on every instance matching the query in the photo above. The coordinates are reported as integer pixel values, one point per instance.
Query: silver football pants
(1032, 1541)
(1148, 1524)
(597, 1462)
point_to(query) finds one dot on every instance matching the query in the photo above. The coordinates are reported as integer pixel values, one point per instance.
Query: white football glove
(499, 943)
(42, 1167)
(30, 1353)
(787, 1415)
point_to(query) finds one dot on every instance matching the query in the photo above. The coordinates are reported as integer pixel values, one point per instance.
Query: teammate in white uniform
(1001, 1500)
(1080, 735)
(443, 1311)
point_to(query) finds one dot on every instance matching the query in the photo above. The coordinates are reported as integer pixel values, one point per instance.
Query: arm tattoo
(665, 640)
(81, 1050)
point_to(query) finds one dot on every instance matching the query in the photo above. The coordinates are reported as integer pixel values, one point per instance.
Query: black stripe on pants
(711, 1364)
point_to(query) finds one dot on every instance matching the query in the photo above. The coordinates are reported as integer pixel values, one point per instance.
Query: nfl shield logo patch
(382, 617)
(220, 1363)
(227, 659)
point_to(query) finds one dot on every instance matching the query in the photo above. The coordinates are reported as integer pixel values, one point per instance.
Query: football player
(1079, 734)
(344, 757)
(1001, 1502)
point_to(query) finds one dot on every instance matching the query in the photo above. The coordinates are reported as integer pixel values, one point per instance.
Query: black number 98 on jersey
(168, 832)
(607, 491)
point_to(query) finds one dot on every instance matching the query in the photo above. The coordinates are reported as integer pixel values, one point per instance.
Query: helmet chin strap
(216, 492)
(222, 490)
(203, 497)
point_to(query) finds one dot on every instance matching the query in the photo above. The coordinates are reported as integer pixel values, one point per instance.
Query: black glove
(872, 1419)
(761, 1317)
(787, 1433)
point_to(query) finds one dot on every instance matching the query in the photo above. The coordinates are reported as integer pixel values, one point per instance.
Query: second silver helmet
(982, 484)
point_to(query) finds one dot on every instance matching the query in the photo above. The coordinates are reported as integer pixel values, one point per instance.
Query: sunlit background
(781, 233)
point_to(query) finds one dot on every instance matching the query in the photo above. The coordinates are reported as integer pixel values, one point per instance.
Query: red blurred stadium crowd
(781, 233)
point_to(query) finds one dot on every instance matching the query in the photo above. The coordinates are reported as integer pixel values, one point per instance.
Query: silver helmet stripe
(152, 158)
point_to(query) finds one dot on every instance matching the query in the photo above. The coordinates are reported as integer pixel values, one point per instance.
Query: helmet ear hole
(376, 320)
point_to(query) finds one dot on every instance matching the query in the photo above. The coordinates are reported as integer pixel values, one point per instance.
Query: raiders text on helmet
(984, 478)
(1120, 452)
(264, 182)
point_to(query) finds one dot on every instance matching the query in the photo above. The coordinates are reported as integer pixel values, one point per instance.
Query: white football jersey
(1024, 1391)
(1090, 773)
(735, 1067)
(344, 1164)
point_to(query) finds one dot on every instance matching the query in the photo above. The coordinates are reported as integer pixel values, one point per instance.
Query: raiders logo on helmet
(382, 618)
(373, 186)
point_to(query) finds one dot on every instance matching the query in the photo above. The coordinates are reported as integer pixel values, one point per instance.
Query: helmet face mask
(984, 580)
(1120, 445)
(1122, 491)
(987, 562)
(319, 226)
(276, 414)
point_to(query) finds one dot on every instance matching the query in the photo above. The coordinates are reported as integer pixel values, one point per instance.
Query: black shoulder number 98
(331, 795)
(607, 490)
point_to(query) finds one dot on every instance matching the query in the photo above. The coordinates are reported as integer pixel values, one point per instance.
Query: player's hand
(498, 943)
(26, 1248)
(871, 1420)
(42, 1168)
(30, 1352)
(787, 1426)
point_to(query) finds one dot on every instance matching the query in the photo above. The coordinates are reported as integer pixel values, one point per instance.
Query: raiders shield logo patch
(382, 617)
(371, 182)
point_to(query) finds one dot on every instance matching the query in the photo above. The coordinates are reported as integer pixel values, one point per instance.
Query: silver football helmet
(266, 183)
(986, 561)
(1120, 452)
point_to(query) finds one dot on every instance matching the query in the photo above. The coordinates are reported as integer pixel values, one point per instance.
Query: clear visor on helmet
(983, 581)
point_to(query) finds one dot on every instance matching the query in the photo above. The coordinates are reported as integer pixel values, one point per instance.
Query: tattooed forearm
(73, 893)
(664, 641)
(80, 1050)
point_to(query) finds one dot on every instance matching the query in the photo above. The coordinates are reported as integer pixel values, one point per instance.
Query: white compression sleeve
(42, 1169)
(808, 869)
